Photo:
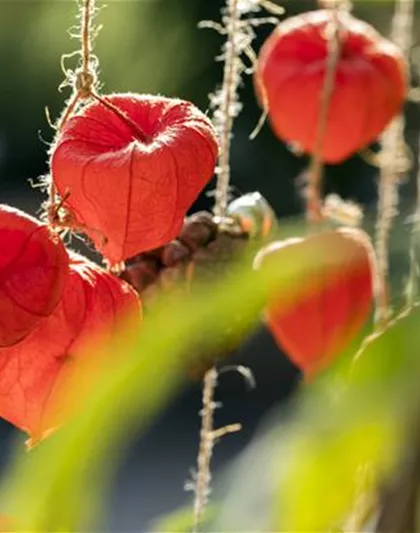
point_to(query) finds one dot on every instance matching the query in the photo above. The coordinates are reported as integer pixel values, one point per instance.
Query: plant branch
(82, 82)
(231, 78)
(205, 453)
(314, 210)
(208, 437)
(392, 141)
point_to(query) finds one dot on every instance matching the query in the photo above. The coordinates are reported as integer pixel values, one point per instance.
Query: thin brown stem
(205, 452)
(314, 210)
(229, 89)
(68, 111)
(86, 33)
(123, 116)
(84, 79)
(392, 140)
(82, 87)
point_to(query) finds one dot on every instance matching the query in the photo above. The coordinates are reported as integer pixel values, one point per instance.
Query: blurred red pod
(369, 88)
(41, 378)
(130, 174)
(33, 272)
(334, 298)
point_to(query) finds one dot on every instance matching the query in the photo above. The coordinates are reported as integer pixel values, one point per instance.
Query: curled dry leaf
(369, 88)
(131, 178)
(36, 374)
(333, 301)
(33, 272)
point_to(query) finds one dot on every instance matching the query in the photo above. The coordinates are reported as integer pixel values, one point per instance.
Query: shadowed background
(154, 46)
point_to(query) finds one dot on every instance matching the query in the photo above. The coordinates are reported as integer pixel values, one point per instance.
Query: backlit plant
(82, 343)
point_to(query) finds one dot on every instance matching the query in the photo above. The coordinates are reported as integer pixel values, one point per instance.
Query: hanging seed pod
(333, 302)
(369, 87)
(130, 176)
(33, 272)
(37, 372)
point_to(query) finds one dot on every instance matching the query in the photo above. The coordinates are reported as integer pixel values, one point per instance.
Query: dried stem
(231, 78)
(82, 82)
(238, 22)
(314, 209)
(86, 35)
(412, 291)
(392, 140)
(202, 486)
(120, 114)
(84, 79)
(208, 437)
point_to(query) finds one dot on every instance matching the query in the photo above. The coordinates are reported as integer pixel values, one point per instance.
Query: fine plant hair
(314, 203)
(390, 165)
(85, 88)
(239, 18)
(201, 482)
(82, 81)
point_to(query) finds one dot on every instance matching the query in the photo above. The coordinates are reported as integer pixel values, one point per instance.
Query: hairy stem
(86, 34)
(202, 486)
(83, 83)
(401, 34)
(314, 212)
(229, 92)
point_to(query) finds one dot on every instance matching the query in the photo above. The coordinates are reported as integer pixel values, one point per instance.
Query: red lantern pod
(33, 272)
(332, 302)
(38, 376)
(369, 88)
(131, 181)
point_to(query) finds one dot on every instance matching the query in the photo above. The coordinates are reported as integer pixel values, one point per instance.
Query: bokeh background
(154, 46)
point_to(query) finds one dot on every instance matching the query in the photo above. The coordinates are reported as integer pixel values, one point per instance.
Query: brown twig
(392, 139)
(314, 204)
(82, 82)
(208, 437)
(205, 452)
(229, 90)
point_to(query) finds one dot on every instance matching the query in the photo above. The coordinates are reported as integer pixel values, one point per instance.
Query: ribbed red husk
(33, 272)
(369, 89)
(131, 191)
(331, 305)
(35, 374)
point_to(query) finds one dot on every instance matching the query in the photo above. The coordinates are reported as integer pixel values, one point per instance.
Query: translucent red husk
(33, 273)
(332, 303)
(129, 183)
(36, 374)
(369, 88)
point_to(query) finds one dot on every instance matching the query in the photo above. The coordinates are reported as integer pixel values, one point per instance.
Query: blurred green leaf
(344, 439)
(59, 485)
(356, 421)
